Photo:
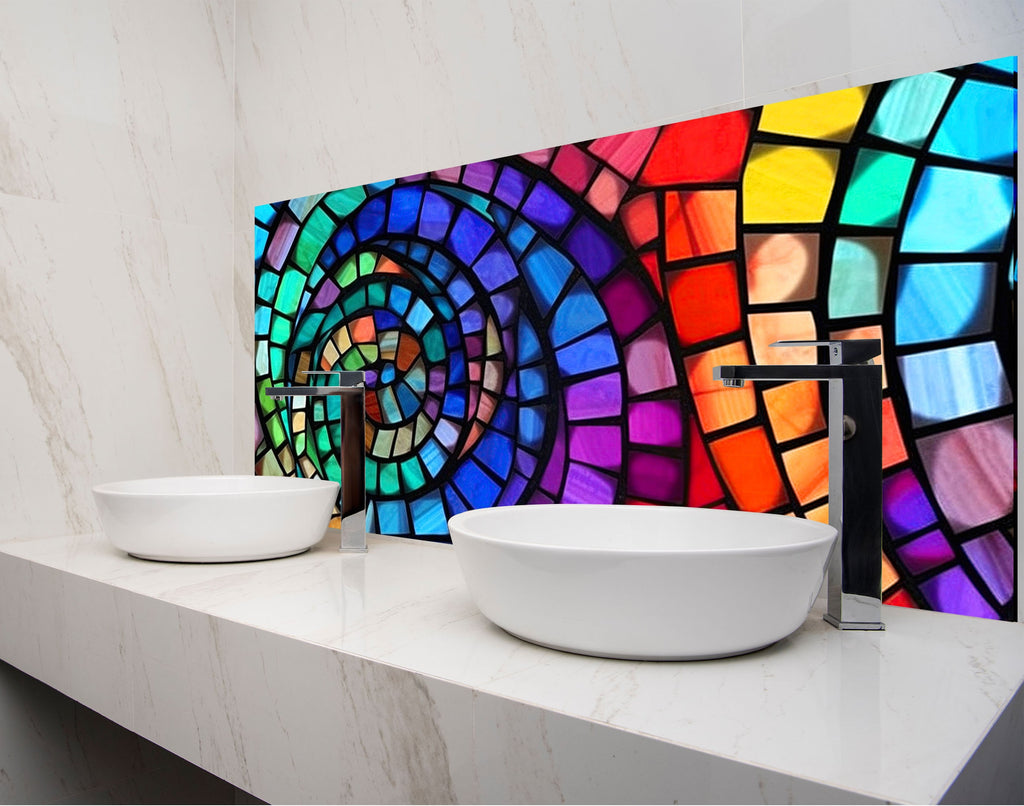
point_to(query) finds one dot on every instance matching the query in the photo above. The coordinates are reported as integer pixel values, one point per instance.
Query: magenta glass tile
(597, 397)
(551, 480)
(649, 364)
(992, 557)
(925, 552)
(448, 174)
(656, 422)
(905, 507)
(657, 478)
(628, 302)
(598, 445)
(952, 592)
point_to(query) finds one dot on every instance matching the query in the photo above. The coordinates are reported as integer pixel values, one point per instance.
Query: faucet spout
(854, 477)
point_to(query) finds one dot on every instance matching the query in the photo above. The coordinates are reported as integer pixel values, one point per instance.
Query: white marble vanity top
(239, 667)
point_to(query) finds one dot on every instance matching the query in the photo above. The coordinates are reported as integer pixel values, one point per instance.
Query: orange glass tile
(408, 351)
(386, 265)
(717, 405)
(893, 449)
(705, 301)
(766, 328)
(870, 332)
(640, 218)
(794, 409)
(363, 330)
(606, 193)
(807, 470)
(746, 464)
(781, 267)
(701, 222)
(890, 576)
(371, 405)
(819, 514)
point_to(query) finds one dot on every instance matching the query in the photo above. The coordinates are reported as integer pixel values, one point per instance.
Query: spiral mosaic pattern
(542, 327)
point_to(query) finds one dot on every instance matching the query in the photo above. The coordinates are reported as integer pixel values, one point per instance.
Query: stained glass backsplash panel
(542, 327)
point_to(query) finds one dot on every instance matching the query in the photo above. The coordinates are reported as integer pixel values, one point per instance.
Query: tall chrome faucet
(854, 470)
(351, 452)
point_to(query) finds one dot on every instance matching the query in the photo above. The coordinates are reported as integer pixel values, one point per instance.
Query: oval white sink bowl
(639, 582)
(210, 519)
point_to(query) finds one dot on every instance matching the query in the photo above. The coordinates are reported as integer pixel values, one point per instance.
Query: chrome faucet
(854, 470)
(351, 390)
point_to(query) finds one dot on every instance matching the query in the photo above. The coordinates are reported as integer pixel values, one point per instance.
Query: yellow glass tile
(826, 116)
(807, 469)
(717, 405)
(869, 332)
(819, 514)
(781, 267)
(766, 328)
(787, 184)
(794, 409)
(299, 422)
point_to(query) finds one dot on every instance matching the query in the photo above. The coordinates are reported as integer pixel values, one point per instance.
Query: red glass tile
(705, 301)
(708, 149)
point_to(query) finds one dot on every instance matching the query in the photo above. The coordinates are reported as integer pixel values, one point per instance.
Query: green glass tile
(355, 301)
(383, 443)
(323, 440)
(376, 294)
(300, 443)
(433, 344)
(331, 469)
(316, 276)
(262, 358)
(290, 292)
(271, 467)
(319, 411)
(910, 107)
(367, 263)
(860, 267)
(267, 404)
(372, 486)
(301, 205)
(370, 353)
(277, 432)
(343, 202)
(276, 362)
(347, 273)
(312, 237)
(352, 360)
(389, 479)
(267, 285)
(876, 191)
(412, 473)
(280, 329)
(308, 331)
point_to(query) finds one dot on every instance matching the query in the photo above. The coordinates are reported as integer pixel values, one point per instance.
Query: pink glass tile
(649, 363)
(992, 556)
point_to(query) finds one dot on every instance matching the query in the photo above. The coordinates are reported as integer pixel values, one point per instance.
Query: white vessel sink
(205, 519)
(646, 583)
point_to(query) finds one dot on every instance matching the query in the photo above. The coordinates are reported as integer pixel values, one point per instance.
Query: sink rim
(267, 485)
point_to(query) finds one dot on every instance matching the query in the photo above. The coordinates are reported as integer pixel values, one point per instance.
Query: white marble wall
(116, 318)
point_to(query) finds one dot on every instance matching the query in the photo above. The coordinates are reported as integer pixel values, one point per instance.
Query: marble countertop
(823, 714)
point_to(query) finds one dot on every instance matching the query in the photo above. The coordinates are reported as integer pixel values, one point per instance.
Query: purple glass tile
(656, 422)
(598, 445)
(552, 478)
(479, 175)
(437, 379)
(279, 247)
(506, 305)
(513, 490)
(447, 433)
(594, 251)
(412, 178)
(656, 478)
(496, 267)
(992, 556)
(585, 485)
(511, 186)
(952, 592)
(546, 209)
(326, 296)
(597, 397)
(649, 364)
(905, 508)
(539, 497)
(432, 407)
(526, 462)
(628, 302)
(926, 552)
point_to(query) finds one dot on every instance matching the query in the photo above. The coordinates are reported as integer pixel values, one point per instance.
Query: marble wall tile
(115, 339)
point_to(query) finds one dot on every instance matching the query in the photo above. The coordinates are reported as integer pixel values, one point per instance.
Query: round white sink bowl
(209, 519)
(639, 582)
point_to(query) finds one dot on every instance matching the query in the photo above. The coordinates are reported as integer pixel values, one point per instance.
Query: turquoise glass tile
(875, 194)
(261, 242)
(860, 267)
(392, 517)
(1007, 64)
(944, 300)
(981, 124)
(428, 515)
(910, 107)
(958, 211)
(265, 213)
(953, 382)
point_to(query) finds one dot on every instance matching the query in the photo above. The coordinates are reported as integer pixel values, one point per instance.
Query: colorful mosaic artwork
(542, 327)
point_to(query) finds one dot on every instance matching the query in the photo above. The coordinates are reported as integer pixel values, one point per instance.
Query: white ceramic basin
(209, 519)
(647, 583)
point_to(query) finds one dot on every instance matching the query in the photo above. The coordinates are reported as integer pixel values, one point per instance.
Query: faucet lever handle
(345, 377)
(841, 351)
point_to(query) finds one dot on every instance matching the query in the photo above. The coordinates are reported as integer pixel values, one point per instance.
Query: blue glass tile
(953, 382)
(344, 240)
(405, 208)
(501, 215)
(398, 299)
(472, 320)
(459, 289)
(520, 237)
(454, 403)
(526, 462)
(385, 320)
(1007, 64)
(262, 320)
(435, 216)
(506, 305)
(546, 271)
(980, 125)
(327, 259)
(419, 316)
(944, 300)
(419, 253)
(265, 213)
(433, 456)
(372, 524)
(452, 336)
(578, 313)
(513, 490)
(496, 267)
(261, 242)
(370, 220)
(593, 250)
(441, 267)
(531, 426)
(529, 346)
(455, 503)
(407, 401)
(392, 517)
(511, 186)
(428, 515)
(547, 210)
(376, 187)
(494, 452)
(469, 236)
(504, 418)
(958, 211)
(910, 107)
(533, 383)
(591, 353)
(479, 489)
